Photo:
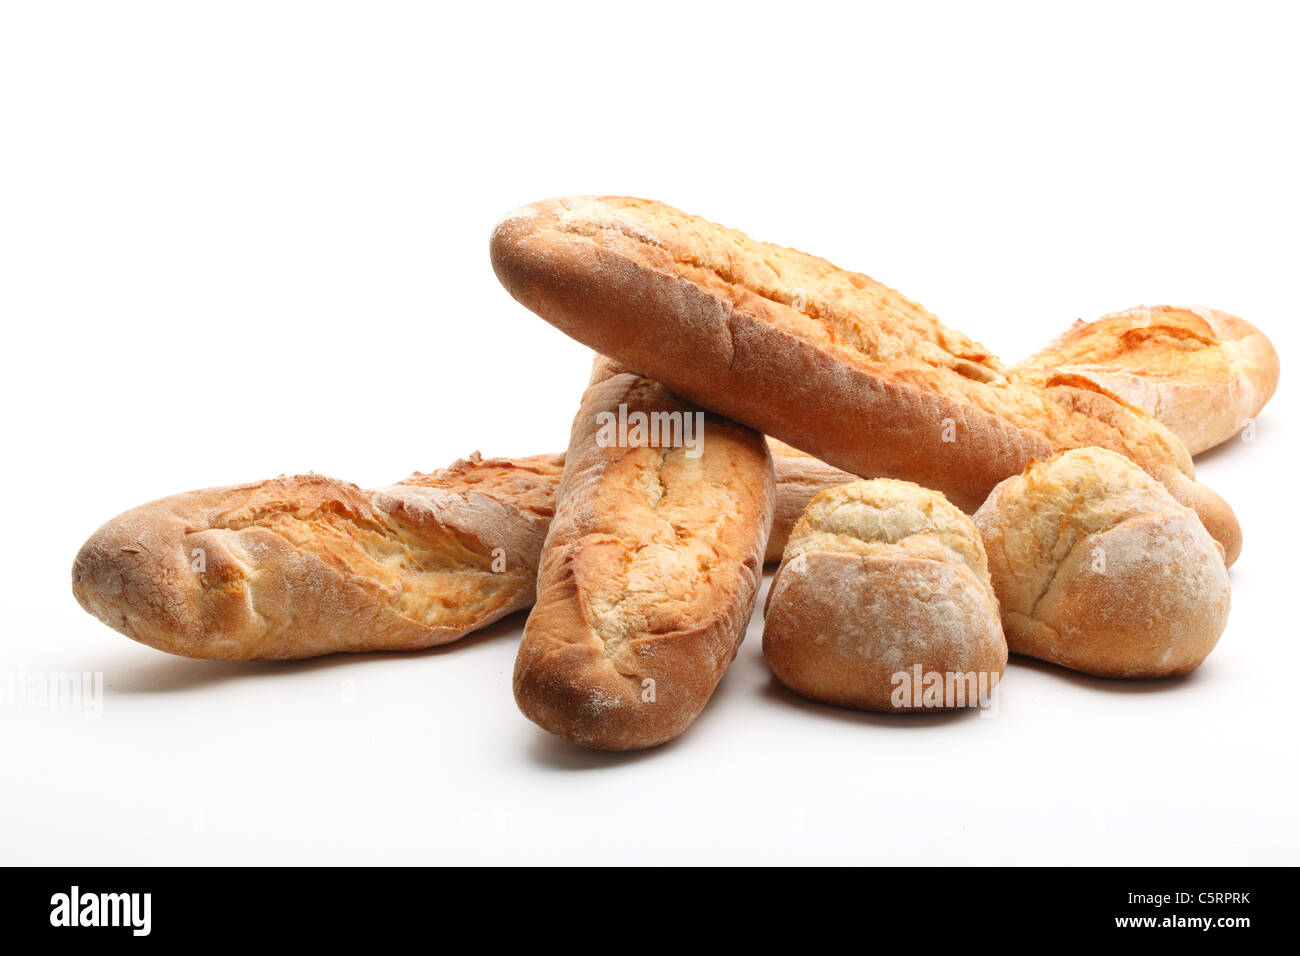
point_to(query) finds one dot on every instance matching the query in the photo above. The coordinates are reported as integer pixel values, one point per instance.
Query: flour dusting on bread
(1098, 568)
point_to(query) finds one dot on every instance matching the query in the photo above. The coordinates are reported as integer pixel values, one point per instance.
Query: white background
(244, 239)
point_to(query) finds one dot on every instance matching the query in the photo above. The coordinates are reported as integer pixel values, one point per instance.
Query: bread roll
(829, 361)
(649, 571)
(1201, 372)
(139, 573)
(1099, 569)
(883, 602)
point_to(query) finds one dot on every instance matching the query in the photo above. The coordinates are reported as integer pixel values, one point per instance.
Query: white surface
(252, 238)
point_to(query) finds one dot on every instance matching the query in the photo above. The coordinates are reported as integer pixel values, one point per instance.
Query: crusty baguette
(1200, 371)
(1099, 569)
(317, 584)
(829, 361)
(883, 588)
(799, 476)
(309, 565)
(649, 571)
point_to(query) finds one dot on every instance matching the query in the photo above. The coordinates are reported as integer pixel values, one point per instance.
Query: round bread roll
(883, 602)
(1097, 568)
(1201, 372)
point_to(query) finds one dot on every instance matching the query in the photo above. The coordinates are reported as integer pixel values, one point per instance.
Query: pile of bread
(1091, 544)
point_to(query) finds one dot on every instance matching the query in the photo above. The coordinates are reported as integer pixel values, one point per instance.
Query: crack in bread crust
(889, 517)
(1060, 505)
(442, 580)
(672, 539)
(739, 266)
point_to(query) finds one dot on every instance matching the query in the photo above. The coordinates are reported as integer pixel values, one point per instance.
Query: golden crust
(880, 579)
(308, 565)
(1200, 371)
(648, 575)
(799, 476)
(1098, 568)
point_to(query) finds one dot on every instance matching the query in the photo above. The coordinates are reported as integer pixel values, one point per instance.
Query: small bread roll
(883, 594)
(1098, 568)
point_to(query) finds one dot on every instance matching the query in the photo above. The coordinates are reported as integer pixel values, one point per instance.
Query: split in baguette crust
(1200, 371)
(648, 575)
(827, 360)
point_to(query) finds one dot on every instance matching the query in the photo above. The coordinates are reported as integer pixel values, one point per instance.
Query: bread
(829, 361)
(649, 571)
(799, 477)
(1201, 372)
(137, 573)
(1099, 569)
(883, 602)
(309, 565)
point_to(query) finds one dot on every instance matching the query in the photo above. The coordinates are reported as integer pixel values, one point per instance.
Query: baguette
(829, 361)
(288, 573)
(1201, 372)
(799, 477)
(1099, 569)
(649, 572)
(302, 566)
